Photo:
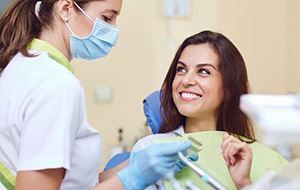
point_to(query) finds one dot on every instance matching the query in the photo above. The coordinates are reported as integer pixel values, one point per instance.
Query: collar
(53, 52)
(180, 130)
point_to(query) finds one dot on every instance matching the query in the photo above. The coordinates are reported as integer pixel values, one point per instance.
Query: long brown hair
(19, 25)
(235, 82)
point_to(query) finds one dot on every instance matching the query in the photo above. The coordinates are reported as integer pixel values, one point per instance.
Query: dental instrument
(196, 145)
(203, 175)
(189, 184)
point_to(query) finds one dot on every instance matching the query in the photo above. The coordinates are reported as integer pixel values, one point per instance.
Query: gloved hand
(180, 165)
(151, 164)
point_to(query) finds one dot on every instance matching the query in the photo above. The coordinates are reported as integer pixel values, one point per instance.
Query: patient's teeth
(189, 95)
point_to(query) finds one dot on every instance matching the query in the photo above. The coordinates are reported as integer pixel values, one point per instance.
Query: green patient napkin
(210, 160)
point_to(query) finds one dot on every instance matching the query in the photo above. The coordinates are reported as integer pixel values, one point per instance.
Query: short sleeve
(52, 114)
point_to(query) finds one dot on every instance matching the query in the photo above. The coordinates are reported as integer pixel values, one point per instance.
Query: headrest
(152, 111)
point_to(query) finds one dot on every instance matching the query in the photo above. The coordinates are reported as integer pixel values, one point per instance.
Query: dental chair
(151, 107)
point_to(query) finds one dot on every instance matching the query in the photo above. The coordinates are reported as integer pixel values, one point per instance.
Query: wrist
(124, 176)
(243, 183)
(131, 179)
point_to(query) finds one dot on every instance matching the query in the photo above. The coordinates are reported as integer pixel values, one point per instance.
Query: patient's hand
(238, 159)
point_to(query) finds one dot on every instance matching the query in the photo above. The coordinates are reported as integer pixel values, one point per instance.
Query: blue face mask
(97, 44)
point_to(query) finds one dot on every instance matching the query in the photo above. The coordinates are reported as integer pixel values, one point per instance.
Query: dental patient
(200, 98)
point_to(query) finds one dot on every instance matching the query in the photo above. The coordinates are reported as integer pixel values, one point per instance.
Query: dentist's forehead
(111, 6)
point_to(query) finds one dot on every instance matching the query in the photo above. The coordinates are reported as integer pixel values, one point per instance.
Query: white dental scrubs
(43, 122)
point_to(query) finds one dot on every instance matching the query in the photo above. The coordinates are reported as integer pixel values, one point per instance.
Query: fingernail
(226, 162)
(221, 151)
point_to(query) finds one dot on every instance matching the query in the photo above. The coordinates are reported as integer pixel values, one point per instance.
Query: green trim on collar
(54, 53)
(7, 179)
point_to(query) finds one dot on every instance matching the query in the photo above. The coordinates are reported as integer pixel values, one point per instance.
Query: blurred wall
(266, 32)
(293, 46)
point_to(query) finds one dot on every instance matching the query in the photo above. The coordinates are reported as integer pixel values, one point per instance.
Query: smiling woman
(193, 92)
(46, 139)
(214, 69)
(201, 94)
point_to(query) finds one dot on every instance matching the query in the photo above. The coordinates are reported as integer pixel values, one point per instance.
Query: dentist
(46, 141)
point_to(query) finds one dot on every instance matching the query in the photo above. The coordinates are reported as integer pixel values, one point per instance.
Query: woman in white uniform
(46, 141)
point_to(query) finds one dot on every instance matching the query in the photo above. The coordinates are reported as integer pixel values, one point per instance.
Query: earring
(66, 19)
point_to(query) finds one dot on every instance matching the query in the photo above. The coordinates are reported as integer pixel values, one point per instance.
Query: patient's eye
(204, 71)
(180, 69)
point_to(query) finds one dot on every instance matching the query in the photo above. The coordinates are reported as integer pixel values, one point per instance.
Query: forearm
(241, 184)
(112, 183)
(49, 179)
(105, 175)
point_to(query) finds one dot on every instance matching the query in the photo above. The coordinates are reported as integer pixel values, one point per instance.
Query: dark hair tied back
(18, 26)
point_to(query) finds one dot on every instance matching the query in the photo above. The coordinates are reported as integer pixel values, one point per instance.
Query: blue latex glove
(180, 165)
(151, 164)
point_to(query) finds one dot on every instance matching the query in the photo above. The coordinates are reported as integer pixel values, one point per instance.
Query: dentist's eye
(106, 19)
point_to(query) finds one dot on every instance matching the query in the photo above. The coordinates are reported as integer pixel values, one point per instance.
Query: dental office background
(267, 33)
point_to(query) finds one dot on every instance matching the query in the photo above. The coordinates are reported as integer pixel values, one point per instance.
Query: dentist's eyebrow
(199, 65)
(113, 11)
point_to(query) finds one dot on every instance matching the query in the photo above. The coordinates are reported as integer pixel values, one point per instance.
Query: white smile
(190, 95)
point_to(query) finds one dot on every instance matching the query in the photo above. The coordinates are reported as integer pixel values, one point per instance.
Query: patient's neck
(198, 125)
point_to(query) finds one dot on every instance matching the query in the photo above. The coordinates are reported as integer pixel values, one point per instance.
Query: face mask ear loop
(69, 28)
(83, 11)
